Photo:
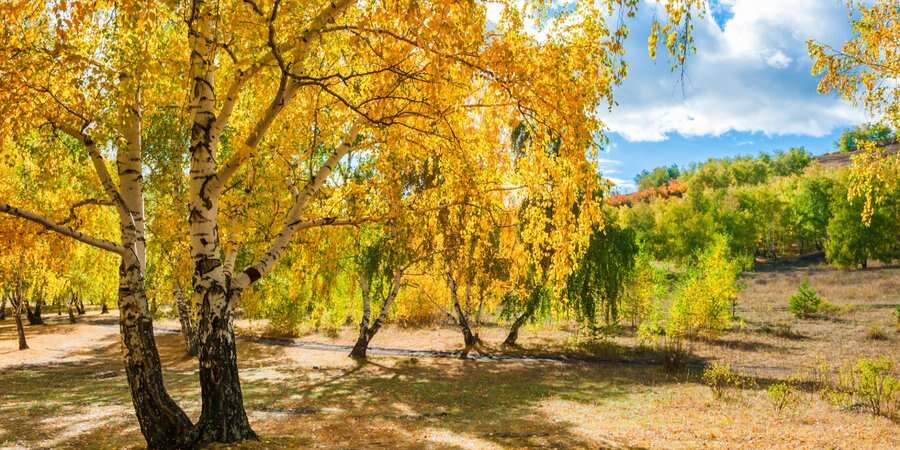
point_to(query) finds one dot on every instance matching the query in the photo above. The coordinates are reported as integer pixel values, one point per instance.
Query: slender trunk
(366, 332)
(187, 328)
(20, 329)
(38, 306)
(470, 339)
(33, 314)
(3, 307)
(222, 418)
(362, 341)
(104, 309)
(79, 305)
(513, 335)
(480, 306)
(72, 309)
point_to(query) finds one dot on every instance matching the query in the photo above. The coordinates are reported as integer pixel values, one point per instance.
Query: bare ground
(69, 390)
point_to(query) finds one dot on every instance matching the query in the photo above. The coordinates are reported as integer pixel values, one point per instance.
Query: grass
(612, 393)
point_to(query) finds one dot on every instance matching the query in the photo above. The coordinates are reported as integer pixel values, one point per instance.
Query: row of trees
(769, 207)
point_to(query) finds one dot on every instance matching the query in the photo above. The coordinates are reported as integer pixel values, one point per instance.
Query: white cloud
(623, 185)
(779, 60)
(750, 75)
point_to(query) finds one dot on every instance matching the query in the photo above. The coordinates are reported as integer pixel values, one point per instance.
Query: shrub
(897, 315)
(805, 302)
(642, 286)
(869, 383)
(653, 325)
(783, 395)
(829, 309)
(674, 352)
(782, 329)
(704, 299)
(876, 333)
(720, 377)
(876, 387)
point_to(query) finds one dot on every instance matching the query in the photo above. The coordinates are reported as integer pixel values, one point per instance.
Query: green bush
(805, 302)
(720, 377)
(897, 315)
(704, 299)
(783, 395)
(876, 386)
(870, 383)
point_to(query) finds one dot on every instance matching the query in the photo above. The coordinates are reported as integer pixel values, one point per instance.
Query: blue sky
(748, 89)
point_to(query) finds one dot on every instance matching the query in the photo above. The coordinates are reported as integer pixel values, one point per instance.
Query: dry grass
(73, 393)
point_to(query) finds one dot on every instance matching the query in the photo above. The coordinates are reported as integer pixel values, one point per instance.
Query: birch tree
(245, 77)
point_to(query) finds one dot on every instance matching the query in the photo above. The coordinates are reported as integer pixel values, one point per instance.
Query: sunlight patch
(457, 440)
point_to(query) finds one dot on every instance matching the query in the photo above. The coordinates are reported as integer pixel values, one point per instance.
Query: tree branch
(299, 49)
(85, 202)
(64, 230)
(292, 222)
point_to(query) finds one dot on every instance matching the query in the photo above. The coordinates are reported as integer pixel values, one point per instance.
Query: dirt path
(486, 355)
(88, 335)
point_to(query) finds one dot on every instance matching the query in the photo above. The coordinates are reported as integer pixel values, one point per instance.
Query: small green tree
(879, 133)
(805, 302)
(851, 242)
(704, 298)
(641, 288)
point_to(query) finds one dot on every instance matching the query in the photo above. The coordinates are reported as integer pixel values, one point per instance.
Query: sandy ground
(57, 342)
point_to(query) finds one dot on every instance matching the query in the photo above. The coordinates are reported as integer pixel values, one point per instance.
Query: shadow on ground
(387, 403)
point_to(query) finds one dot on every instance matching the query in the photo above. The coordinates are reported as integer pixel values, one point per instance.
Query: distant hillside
(674, 188)
(677, 188)
(842, 159)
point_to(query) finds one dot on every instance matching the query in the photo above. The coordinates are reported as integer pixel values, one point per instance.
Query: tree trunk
(104, 309)
(478, 321)
(3, 307)
(222, 418)
(187, 328)
(72, 309)
(362, 342)
(33, 315)
(361, 346)
(366, 332)
(79, 305)
(470, 339)
(20, 329)
(163, 424)
(513, 335)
